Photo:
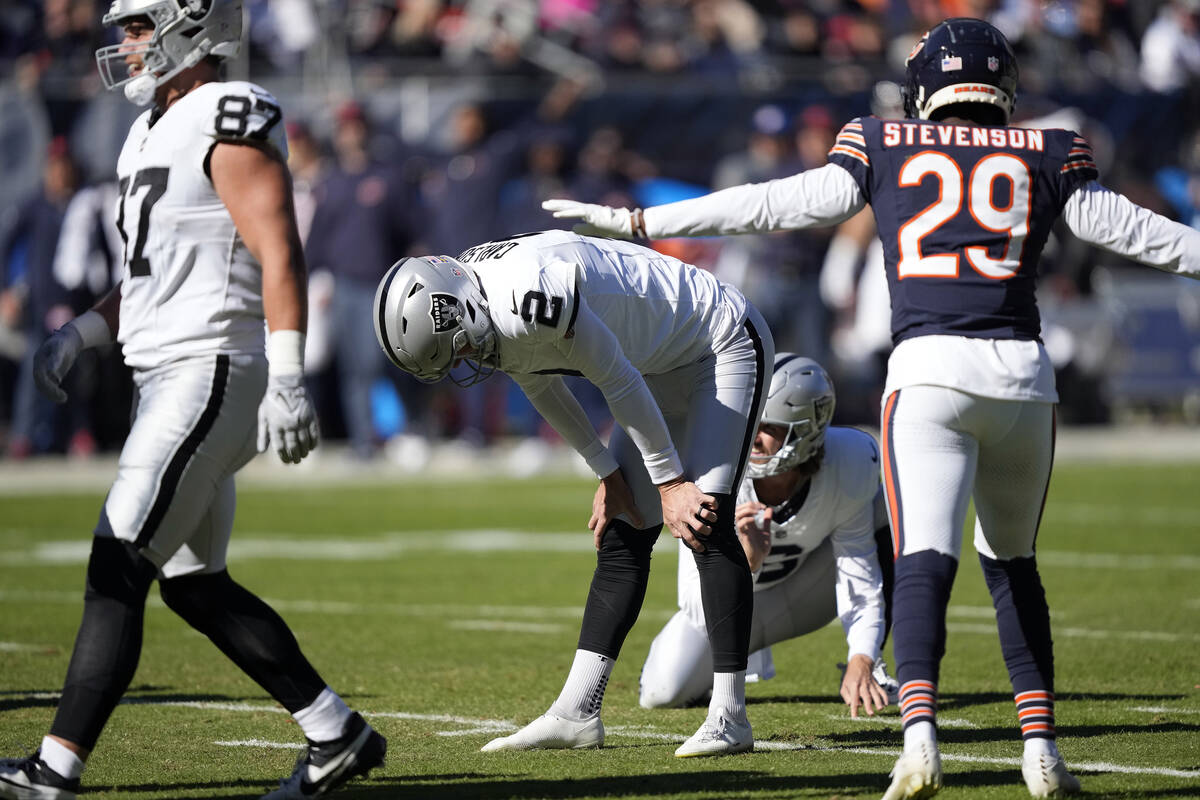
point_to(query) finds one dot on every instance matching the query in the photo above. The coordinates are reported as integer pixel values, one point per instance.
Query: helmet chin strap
(140, 90)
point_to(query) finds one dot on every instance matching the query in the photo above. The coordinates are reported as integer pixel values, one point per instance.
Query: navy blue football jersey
(963, 212)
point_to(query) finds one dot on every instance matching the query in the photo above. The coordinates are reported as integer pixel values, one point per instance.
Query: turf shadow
(712, 783)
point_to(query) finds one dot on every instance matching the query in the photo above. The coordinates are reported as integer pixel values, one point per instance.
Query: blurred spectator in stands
(28, 261)
(544, 177)
(854, 288)
(1180, 185)
(366, 216)
(87, 264)
(62, 62)
(1171, 47)
(279, 33)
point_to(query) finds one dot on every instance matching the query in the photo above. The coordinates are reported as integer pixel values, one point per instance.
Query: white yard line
(1164, 710)
(645, 732)
(390, 545)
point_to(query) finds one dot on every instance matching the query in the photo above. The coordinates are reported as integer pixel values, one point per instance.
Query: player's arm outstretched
(1115, 223)
(817, 197)
(254, 184)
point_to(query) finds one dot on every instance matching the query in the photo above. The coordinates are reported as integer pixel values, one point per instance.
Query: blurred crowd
(624, 103)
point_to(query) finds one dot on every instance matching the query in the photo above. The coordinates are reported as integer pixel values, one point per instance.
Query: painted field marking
(1085, 633)
(387, 545)
(504, 625)
(1164, 710)
(22, 647)
(645, 732)
(568, 612)
(896, 722)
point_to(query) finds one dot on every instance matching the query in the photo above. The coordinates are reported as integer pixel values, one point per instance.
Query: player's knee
(193, 597)
(625, 545)
(117, 571)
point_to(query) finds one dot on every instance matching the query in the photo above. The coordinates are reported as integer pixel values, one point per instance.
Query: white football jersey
(663, 312)
(842, 493)
(190, 286)
(608, 310)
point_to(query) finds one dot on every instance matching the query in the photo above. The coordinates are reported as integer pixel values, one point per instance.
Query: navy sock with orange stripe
(1023, 620)
(921, 593)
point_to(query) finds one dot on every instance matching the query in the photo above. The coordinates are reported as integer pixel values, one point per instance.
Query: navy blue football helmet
(960, 60)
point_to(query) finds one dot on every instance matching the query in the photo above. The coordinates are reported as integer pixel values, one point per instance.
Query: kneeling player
(811, 518)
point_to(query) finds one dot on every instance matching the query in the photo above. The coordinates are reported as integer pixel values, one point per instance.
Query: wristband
(92, 329)
(637, 223)
(285, 352)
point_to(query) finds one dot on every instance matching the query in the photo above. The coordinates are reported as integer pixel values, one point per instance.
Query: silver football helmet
(185, 31)
(430, 315)
(801, 400)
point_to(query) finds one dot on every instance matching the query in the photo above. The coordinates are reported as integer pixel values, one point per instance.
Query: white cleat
(718, 737)
(917, 774)
(30, 779)
(552, 732)
(1047, 776)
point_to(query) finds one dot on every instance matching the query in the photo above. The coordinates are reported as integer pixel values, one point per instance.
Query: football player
(683, 362)
(811, 518)
(963, 205)
(211, 250)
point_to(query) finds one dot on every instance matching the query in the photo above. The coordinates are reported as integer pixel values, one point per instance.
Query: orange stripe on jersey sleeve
(850, 151)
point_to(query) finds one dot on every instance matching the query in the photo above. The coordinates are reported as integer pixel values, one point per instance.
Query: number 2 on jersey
(155, 179)
(1011, 220)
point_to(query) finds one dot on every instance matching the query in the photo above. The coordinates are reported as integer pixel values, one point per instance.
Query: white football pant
(943, 447)
(195, 426)
(678, 669)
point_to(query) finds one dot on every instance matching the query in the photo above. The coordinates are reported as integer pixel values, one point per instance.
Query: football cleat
(327, 765)
(1047, 776)
(30, 779)
(552, 732)
(917, 774)
(718, 736)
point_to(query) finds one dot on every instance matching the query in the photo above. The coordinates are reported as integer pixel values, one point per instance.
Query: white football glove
(597, 220)
(54, 359)
(287, 418)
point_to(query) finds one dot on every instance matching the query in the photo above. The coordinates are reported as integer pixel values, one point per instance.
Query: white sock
(58, 758)
(583, 693)
(919, 733)
(325, 719)
(729, 695)
(1038, 746)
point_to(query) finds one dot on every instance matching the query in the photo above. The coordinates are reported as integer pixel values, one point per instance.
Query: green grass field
(448, 613)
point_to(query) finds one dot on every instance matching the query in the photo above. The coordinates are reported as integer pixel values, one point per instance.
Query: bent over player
(211, 248)
(683, 362)
(811, 518)
(963, 206)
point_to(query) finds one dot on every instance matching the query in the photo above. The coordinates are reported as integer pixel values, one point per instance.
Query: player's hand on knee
(596, 220)
(688, 512)
(613, 497)
(54, 359)
(286, 417)
(859, 687)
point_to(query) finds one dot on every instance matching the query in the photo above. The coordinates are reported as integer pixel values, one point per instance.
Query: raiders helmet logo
(444, 311)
